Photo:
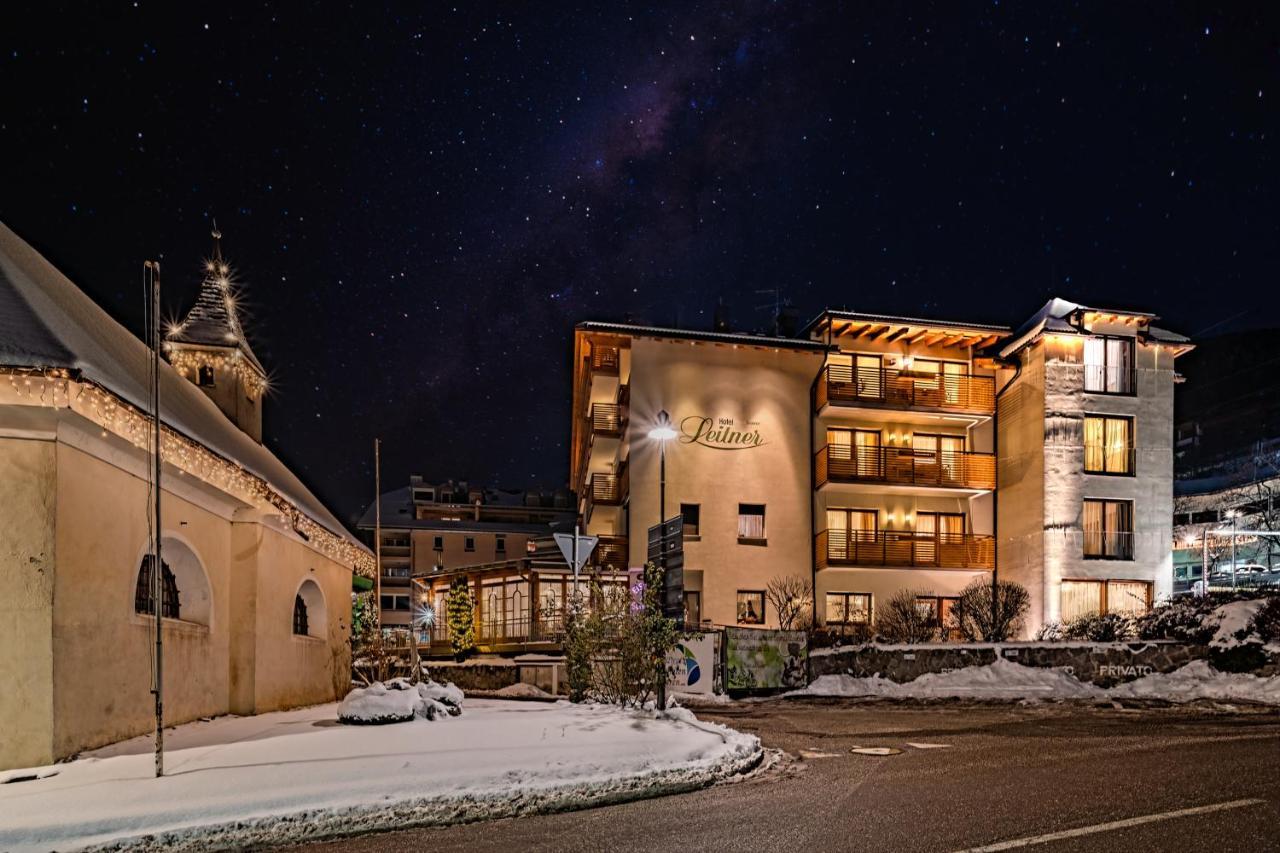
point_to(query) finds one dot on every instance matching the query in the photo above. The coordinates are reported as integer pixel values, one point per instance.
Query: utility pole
(157, 565)
(377, 534)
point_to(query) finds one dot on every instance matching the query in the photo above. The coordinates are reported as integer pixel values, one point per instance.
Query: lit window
(1080, 598)
(1108, 445)
(751, 522)
(1108, 529)
(1108, 365)
(849, 608)
(750, 607)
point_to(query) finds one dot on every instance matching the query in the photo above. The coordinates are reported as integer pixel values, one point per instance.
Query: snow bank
(1002, 679)
(1198, 680)
(398, 701)
(1233, 621)
(299, 775)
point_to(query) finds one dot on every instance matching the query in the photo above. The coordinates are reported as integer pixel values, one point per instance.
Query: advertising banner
(692, 664)
(762, 659)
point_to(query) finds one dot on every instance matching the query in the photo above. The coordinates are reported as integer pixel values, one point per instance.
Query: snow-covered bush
(1050, 632)
(398, 701)
(1266, 622)
(1101, 628)
(900, 619)
(977, 620)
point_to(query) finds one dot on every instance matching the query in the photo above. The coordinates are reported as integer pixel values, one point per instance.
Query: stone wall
(474, 676)
(1102, 664)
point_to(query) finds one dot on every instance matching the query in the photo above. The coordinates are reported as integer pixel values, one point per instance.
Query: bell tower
(210, 349)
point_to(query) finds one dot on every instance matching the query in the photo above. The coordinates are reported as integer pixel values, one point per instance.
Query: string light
(57, 388)
(189, 361)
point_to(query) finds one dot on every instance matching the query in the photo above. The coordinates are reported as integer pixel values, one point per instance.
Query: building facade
(863, 457)
(256, 572)
(431, 528)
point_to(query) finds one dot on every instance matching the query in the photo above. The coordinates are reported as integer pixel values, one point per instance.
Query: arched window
(144, 598)
(299, 616)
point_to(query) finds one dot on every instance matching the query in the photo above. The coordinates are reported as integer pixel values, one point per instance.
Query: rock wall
(474, 676)
(1102, 664)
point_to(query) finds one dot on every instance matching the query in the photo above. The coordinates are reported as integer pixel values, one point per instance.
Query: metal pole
(1233, 551)
(157, 564)
(575, 560)
(662, 556)
(1204, 558)
(377, 534)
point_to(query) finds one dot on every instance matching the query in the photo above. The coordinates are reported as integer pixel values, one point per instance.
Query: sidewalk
(299, 775)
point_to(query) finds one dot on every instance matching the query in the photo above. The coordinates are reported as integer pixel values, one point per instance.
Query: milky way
(420, 206)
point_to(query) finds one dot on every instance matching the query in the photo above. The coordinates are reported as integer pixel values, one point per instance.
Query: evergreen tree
(461, 616)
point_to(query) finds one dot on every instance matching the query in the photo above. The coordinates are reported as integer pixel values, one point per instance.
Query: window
(939, 610)
(144, 596)
(1108, 529)
(691, 513)
(299, 616)
(868, 374)
(848, 608)
(1108, 365)
(751, 523)
(204, 376)
(750, 607)
(469, 544)
(437, 543)
(693, 608)
(1080, 598)
(395, 602)
(1108, 445)
(500, 544)
(851, 532)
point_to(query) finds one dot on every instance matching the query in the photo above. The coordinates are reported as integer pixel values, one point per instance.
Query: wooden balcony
(611, 552)
(905, 548)
(882, 387)
(905, 466)
(605, 490)
(604, 360)
(607, 419)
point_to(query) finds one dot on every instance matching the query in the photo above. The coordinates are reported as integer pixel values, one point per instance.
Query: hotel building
(870, 455)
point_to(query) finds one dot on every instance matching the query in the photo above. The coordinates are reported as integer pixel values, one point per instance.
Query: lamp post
(1233, 514)
(662, 432)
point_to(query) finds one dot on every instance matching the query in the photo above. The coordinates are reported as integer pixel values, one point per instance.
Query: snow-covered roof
(213, 319)
(46, 321)
(1057, 315)
(398, 514)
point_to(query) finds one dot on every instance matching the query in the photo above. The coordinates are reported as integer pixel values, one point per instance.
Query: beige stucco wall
(28, 469)
(1020, 524)
(882, 583)
(759, 389)
(75, 658)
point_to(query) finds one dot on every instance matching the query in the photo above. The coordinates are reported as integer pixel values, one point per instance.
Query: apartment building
(435, 527)
(863, 455)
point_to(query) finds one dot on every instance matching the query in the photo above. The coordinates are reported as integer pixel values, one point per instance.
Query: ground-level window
(469, 544)
(751, 522)
(691, 515)
(848, 608)
(1091, 598)
(144, 594)
(1108, 529)
(299, 616)
(750, 607)
(693, 608)
(939, 610)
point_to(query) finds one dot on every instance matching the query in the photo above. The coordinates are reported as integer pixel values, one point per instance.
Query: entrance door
(939, 538)
(868, 460)
(869, 376)
(851, 534)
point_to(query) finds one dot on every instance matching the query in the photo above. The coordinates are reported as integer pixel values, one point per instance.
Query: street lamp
(1233, 514)
(662, 432)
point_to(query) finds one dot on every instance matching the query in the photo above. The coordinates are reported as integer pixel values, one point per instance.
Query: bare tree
(791, 600)
(901, 619)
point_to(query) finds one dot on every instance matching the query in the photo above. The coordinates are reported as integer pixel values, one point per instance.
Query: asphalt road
(990, 776)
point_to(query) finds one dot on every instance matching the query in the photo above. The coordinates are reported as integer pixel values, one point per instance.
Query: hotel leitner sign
(720, 433)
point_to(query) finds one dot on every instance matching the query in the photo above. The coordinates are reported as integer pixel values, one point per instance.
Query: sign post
(666, 549)
(577, 549)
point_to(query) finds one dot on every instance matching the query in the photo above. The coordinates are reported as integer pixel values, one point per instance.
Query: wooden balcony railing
(905, 466)
(893, 548)
(604, 360)
(607, 419)
(611, 551)
(605, 490)
(845, 385)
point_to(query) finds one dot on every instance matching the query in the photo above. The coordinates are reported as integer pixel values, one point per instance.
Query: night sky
(421, 204)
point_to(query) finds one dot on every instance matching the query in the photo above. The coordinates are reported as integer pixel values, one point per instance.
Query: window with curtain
(1132, 598)
(1108, 529)
(1108, 444)
(869, 370)
(848, 608)
(1108, 365)
(750, 607)
(751, 522)
(1080, 598)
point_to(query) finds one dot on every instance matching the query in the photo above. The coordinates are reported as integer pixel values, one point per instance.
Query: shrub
(973, 614)
(789, 595)
(900, 619)
(1266, 622)
(1103, 628)
(1050, 632)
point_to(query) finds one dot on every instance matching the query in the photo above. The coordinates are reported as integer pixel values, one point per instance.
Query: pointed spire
(217, 244)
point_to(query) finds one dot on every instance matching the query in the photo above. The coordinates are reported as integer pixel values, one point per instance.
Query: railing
(1104, 545)
(845, 385)
(955, 469)
(606, 490)
(611, 551)
(604, 360)
(894, 548)
(1104, 379)
(607, 419)
(511, 630)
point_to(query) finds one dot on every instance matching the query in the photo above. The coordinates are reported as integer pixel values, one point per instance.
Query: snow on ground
(1004, 679)
(294, 775)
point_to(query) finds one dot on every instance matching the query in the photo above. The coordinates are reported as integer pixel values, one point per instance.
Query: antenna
(779, 301)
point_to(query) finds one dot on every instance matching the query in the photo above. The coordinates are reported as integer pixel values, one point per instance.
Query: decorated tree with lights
(461, 613)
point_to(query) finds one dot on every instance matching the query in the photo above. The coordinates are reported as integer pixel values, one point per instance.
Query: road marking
(928, 745)
(1111, 826)
(875, 750)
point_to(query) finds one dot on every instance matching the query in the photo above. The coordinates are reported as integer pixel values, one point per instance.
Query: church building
(256, 572)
